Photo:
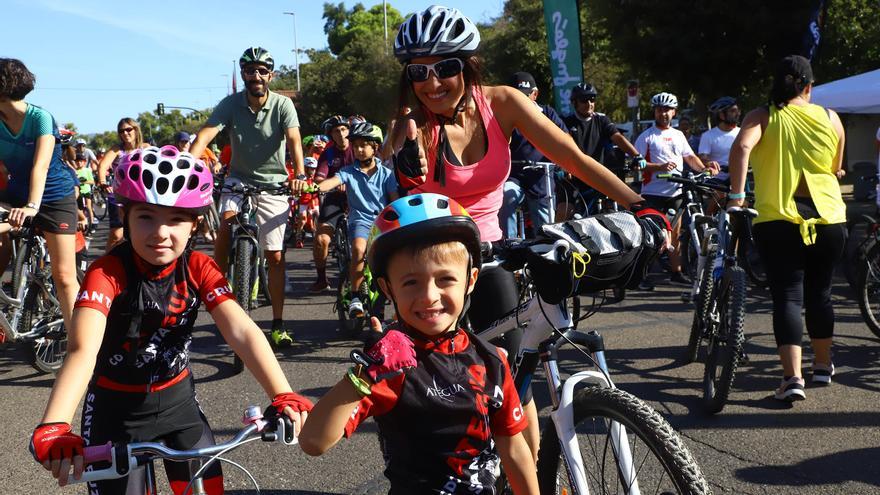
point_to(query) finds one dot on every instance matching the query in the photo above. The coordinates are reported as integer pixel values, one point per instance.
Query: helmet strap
(439, 165)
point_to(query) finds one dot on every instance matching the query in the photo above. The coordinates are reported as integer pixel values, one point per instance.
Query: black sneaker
(679, 278)
(646, 285)
(822, 373)
(791, 390)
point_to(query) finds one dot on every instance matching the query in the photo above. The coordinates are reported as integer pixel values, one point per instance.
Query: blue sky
(99, 61)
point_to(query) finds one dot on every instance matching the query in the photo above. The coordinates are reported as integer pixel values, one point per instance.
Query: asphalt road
(828, 444)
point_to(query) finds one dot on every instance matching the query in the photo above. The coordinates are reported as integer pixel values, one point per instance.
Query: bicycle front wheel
(340, 242)
(242, 284)
(868, 289)
(724, 347)
(701, 309)
(659, 460)
(99, 204)
(49, 350)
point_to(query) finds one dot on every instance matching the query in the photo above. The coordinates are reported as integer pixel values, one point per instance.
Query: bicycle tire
(99, 204)
(701, 308)
(241, 285)
(689, 254)
(47, 352)
(22, 258)
(868, 289)
(680, 472)
(340, 243)
(724, 348)
(347, 325)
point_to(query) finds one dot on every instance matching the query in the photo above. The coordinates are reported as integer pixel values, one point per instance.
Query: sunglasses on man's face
(252, 71)
(584, 99)
(443, 69)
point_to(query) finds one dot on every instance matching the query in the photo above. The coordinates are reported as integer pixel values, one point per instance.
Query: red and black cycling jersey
(171, 296)
(437, 421)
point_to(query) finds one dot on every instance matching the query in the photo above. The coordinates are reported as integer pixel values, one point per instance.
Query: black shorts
(172, 416)
(332, 207)
(114, 216)
(664, 203)
(54, 217)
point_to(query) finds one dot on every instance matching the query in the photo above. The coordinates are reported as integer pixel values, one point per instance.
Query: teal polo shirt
(257, 138)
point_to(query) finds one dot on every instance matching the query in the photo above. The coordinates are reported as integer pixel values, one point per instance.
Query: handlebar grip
(98, 453)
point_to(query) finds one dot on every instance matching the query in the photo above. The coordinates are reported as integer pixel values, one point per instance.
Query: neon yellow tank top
(798, 141)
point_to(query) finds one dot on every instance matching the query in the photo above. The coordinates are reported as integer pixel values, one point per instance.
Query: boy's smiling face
(429, 286)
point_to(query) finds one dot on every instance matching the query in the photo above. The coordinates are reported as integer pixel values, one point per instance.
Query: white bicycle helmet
(436, 31)
(664, 100)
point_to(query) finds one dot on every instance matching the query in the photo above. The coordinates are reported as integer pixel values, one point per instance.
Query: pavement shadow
(859, 465)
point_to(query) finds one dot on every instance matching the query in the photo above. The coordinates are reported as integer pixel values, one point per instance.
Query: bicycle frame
(540, 321)
(10, 327)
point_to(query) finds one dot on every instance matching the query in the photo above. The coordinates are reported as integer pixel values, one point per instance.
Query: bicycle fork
(563, 411)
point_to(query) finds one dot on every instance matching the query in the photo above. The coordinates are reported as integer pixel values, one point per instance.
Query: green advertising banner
(564, 43)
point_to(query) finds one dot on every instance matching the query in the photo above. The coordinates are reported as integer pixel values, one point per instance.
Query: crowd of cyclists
(455, 172)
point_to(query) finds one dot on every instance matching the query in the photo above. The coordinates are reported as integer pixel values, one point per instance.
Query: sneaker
(298, 244)
(356, 308)
(320, 285)
(822, 373)
(280, 337)
(646, 285)
(679, 278)
(791, 390)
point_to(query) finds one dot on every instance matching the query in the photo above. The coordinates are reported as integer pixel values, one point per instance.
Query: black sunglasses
(443, 69)
(251, 71)
(584, 99)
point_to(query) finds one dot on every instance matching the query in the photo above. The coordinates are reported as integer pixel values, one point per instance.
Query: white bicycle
(599, 439)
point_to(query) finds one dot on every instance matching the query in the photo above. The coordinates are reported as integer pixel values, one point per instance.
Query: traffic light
(160, 109)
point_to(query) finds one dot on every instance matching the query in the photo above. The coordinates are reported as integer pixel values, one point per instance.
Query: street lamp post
(295, 49)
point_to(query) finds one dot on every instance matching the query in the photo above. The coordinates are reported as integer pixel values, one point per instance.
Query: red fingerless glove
(394, 353)
(55, 441)
(296, 402)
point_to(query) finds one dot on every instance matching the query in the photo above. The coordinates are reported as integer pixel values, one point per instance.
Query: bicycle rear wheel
(701, 309)
(48, 351)
(661, 463)
(868, 289)
(724, 347)
(340, 243)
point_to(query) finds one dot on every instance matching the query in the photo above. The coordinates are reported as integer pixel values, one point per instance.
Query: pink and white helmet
(164, 177)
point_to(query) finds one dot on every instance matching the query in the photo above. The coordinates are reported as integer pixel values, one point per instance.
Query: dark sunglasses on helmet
(443, 69)
(252, 71)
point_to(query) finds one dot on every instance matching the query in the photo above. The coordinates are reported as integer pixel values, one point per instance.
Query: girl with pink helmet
(132, 328)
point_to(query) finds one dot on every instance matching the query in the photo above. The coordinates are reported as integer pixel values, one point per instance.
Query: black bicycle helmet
(365, 130)
(419, 219)
(334, 121)
(257, 55)
(436, 31)
(722, 104)
(583, 89)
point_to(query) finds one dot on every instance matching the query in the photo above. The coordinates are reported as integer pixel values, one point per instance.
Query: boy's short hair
(454, 251)
(368, 141)
(16, 81)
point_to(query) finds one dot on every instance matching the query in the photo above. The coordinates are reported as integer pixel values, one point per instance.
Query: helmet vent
(162, 185)
(198, 168)
(391, 215)
(135, 157)
(177, 185)
(150, 158)
(192, 183)
(415, 201)
(205, 187)
(442, 204)
(183, 163)
(166, 152)
(165, 167)
(147, 179)
(134, 172)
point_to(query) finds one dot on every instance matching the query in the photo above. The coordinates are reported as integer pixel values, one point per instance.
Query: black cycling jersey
(437, 421)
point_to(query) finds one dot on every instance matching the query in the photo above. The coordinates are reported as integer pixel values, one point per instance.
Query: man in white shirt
(666, 150)
(716, 142)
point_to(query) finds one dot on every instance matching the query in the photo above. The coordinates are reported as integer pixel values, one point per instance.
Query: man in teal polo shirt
(261, 126)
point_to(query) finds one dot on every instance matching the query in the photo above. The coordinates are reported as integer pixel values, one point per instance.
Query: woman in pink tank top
(455, 142)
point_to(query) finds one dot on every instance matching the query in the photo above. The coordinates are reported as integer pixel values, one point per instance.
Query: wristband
(740, 195)
(360, 385)
(33, 206)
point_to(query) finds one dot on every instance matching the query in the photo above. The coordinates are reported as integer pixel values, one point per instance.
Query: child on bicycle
(444, 400)
(132, 328)
(86, 181)
(307, 205)
(369, 187)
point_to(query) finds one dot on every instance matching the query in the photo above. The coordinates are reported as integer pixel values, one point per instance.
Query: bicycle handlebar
(125, 457)
(280, 188)
(699, 181)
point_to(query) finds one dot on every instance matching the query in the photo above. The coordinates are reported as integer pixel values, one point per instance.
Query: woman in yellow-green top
(796, 152)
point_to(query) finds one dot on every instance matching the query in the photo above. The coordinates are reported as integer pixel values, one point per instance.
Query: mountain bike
(99, 203)
(125, 457)
(598, 439)
(549, 170)
(32, 313)
(866, 267)
(247, 271)
(372, 298)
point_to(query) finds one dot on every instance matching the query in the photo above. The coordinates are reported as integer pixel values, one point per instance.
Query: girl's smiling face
(159, 234)
(440, 96)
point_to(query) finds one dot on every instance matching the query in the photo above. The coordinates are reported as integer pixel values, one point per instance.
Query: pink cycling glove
(393, 354)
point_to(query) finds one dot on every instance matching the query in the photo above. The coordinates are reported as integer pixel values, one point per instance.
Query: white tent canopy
(856, 94)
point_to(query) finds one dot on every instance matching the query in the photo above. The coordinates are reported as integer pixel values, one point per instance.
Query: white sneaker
(822, 373)
(791, 390)
(356, 308)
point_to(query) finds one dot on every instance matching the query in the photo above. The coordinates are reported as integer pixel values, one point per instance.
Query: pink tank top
(479, 187)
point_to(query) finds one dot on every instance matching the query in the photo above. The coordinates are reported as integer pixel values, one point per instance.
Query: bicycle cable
(218, 457)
